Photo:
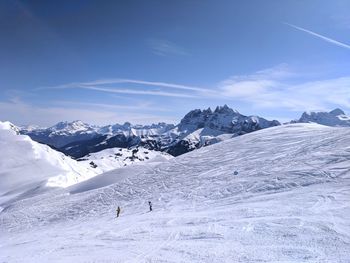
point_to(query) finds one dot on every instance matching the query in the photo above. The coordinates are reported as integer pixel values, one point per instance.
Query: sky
(106, 62)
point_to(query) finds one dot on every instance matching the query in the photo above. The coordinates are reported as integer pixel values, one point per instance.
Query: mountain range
(196, 129)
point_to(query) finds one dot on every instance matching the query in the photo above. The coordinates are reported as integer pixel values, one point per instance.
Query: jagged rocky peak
(224, 110)
(208, 111)
(336, 117)
(224, 119)
(127, 124)
(337, 112)
(193, 114)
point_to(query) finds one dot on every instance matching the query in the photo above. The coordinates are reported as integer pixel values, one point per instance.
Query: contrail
(136, 92)
(335, 42)
(132, 81)
(143, 82)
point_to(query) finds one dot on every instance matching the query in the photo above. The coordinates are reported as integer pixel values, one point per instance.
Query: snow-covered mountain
(204, 127)
(276, 195)
(26, 163)
(198, 128)
(334, 118)
(62, 133)
(114, 158)
(135, 130)
(78, 139)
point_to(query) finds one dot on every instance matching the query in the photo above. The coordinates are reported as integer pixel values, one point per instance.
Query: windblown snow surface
(26, 164)
(289, 202)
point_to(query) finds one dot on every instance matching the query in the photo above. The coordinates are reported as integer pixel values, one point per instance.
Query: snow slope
(25, 164)
(114, 158)
(275, 195)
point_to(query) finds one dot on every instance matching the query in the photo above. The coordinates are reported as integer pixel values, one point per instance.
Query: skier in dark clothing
(118, 211)
(150, 206)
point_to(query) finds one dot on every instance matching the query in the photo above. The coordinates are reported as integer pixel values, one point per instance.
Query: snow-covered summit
(72, 127)
(334, 118)
(135, 129)
(202, 127)
(8, 126)
(224, 119)
(62, 133)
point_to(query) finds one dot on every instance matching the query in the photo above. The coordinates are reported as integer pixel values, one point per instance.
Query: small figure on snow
(150, 206)
(118, 211)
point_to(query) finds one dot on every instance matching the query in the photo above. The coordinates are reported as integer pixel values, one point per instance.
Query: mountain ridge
(196, 129)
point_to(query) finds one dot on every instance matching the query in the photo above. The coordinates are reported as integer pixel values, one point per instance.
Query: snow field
(289, 202)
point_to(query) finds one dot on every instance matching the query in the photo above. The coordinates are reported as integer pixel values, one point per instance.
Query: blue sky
(149, 61)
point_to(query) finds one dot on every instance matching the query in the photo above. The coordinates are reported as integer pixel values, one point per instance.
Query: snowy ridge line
(197, 128)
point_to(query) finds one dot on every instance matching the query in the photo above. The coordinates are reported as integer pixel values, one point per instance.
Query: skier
(150, 206)
(118, 211)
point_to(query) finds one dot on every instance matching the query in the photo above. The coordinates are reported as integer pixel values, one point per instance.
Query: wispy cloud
(154, 88)
(144, 82)
(130, 81)
(136, 92)
(163, 47)
(327, 39)
(279, 88)
(248, 86)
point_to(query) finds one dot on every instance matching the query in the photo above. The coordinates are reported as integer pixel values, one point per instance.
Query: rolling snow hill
(25, 164)
(276, 195)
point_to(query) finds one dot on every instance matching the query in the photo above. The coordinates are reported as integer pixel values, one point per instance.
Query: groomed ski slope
(289, 202)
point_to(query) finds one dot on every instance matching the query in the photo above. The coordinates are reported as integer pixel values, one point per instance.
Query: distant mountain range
(334, 118)
(198, 128)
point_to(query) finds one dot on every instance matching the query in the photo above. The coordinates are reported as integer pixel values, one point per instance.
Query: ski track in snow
(290, 202)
